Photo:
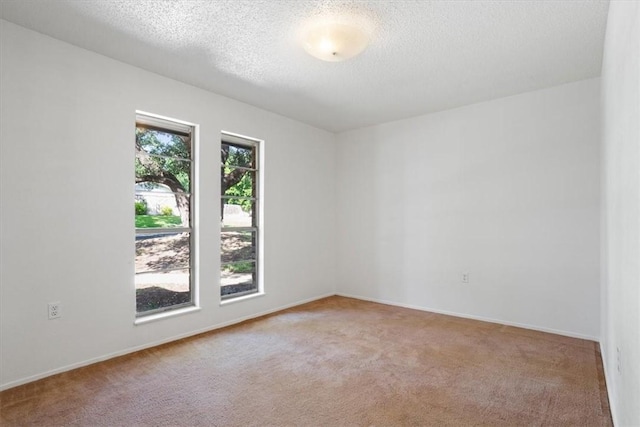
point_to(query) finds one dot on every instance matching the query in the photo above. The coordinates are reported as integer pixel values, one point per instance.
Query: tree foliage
(238, 181)
(163, 158)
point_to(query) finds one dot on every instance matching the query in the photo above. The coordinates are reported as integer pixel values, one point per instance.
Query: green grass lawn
(157, 221)
(239, 267)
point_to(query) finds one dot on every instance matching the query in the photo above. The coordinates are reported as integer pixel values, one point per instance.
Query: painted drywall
(67, 126)
(621, 211)
(506, 191)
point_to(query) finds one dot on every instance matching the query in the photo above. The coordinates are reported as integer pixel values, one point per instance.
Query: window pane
(238, 278)
(239, 217)
(161, 251)
(161, 209)
(238, 182)
(238, 213)
(163, 143)
(163, 167)
(238, 246)
(237, 155)
(173, 173)
(160, 290)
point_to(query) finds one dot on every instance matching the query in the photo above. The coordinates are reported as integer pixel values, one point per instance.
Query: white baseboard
(473, 317)
(608, 379)
(154, 344)
(280, 308)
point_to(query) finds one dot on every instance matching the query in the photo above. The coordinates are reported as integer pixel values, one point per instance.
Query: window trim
(183, 128)
(258, 146)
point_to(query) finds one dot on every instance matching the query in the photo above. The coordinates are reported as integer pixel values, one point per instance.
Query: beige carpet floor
(333, 362)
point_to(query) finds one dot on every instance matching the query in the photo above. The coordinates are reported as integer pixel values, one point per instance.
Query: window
(239, 217)
(163, 215)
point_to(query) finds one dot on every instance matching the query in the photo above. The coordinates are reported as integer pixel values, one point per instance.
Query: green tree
(237, 181)
(163, 158)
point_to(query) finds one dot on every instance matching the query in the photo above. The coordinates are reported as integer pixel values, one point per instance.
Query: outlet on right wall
(620, 330)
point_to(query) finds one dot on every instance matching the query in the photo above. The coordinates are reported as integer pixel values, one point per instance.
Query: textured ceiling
(424, 56)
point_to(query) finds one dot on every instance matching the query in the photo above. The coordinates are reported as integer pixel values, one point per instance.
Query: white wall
(67, 122)
(506, 191)
(621, 211)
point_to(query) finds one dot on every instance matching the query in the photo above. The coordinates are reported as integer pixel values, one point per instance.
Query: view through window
(163, 215)
(239, 217)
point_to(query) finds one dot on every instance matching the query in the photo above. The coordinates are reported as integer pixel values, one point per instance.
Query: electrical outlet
(54, 310)
(465, 277)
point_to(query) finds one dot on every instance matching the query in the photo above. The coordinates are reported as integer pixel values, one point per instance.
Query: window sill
(242, 298)
(165, 315)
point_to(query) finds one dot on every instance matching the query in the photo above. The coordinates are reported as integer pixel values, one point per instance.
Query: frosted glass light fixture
(334, 41)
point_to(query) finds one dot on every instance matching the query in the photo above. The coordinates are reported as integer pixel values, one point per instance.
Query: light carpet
(333, 362)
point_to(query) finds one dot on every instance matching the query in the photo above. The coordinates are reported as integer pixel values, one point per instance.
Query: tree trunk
(182, 199)
(183, 206)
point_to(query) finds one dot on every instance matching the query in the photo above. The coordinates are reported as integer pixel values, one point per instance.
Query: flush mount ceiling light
(334, 41)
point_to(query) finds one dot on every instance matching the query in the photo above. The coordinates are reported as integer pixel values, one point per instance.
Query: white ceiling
(424, 56)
